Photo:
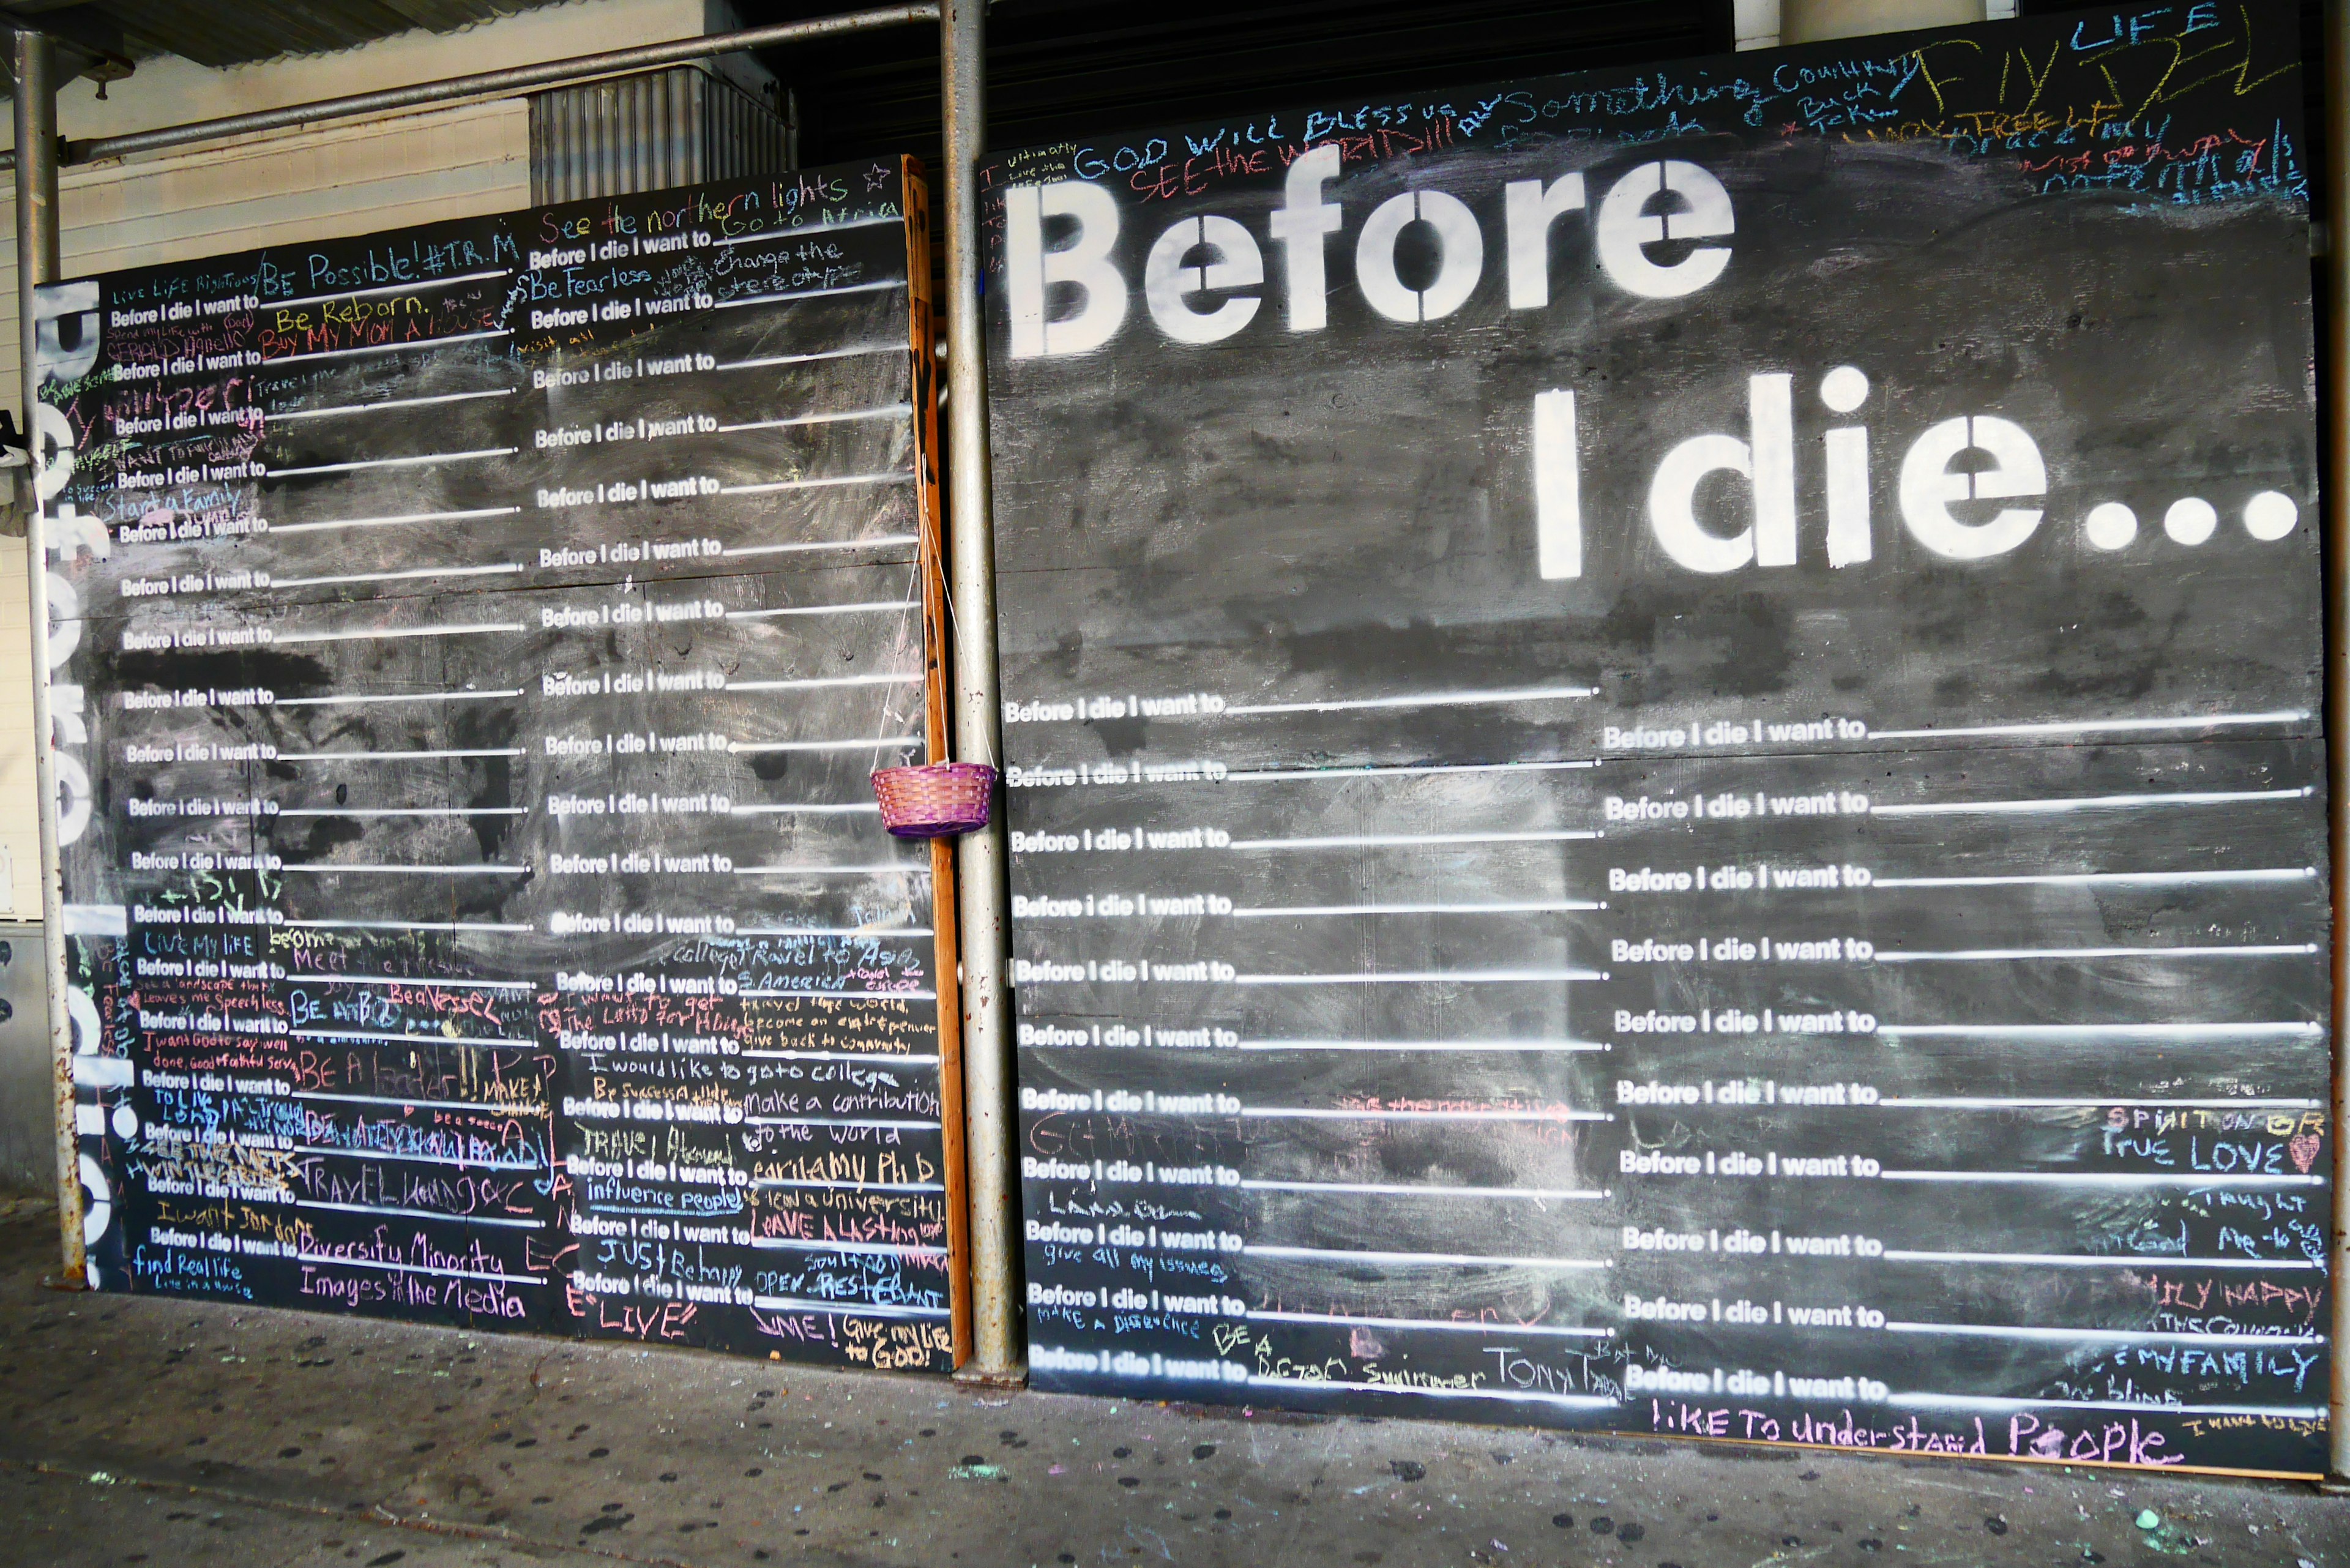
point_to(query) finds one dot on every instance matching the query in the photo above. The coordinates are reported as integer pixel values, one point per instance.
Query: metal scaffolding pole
(33, 58)
(997, 1353)
(2336, 447)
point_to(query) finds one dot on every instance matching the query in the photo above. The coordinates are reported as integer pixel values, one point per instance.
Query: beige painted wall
(293, 186)
(1767, 24)
(1809, 21)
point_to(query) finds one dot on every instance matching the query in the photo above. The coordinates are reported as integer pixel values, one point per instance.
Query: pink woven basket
(935, 800)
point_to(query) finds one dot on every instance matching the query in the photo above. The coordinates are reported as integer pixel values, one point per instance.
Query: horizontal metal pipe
(487, 83)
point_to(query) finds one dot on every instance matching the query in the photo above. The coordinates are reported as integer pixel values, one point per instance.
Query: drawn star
(876, 178)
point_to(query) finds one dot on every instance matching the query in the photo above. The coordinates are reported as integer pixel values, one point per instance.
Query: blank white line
(870, 742)
(2103, 879)
(502, 1107)
(283, 638)
(818, 683)
(407, 926)
(1469, 1259)
(1425, 977)
(328, 866)
(384, 756)
(1498, 1045)
(418, 1269)
(790, 810)
(811, 359)
(1406, 840)
(2089, 802)
(392, 521)
(1258, 1314)
(899, 868)
(848, 996)
(1433, 699)
(2107, 1031)
(2153, 1407)
(845, 1308)
(381, 1038)
(860, 608)
(397, 576)
(836, 1055)
(1300, 1113)
(1548, 905)
(809, 228)
(410, 810)
(2028, 1102)
(1507, 1396)
(393, 461)
(390, 403)
(2085, 726)
(832, 930)
(417, 287)
(2079, 1260)
(875, 542)
(774, 485)
(1410, 1190)
(2099, 1179)
(887, 411)
(399, 697)
(420, 1214)
(2125, 1335)
(419, 980)
(387, 347)
(1999, 955)
(1375, 770)
(808, 294)
(461, 1160)
(882, 1249)
(931, 1126)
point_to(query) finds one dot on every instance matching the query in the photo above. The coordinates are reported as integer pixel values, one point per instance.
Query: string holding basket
(935, 800)
(938, 799)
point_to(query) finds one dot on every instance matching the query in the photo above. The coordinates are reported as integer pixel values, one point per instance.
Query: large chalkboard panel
(473, 642)
(1664, 746)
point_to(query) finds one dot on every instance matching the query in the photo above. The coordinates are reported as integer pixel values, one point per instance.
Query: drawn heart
(2304, 1150)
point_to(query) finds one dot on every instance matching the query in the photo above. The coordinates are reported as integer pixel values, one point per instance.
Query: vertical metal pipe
(33, 58)
(2336, 559)
(997, 1352)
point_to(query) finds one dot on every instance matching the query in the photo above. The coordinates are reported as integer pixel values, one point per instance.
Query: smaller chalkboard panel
(478, 639)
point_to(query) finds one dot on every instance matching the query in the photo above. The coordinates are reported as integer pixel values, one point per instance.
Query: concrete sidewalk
(141, 1431)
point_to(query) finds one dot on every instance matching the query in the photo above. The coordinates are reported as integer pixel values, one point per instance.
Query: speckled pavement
(143, 1430)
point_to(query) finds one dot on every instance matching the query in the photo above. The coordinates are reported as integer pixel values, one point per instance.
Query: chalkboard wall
(472, 644)
(1664, 749)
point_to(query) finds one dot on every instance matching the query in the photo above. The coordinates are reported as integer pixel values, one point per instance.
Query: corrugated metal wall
(626, 134)
(1080, 68)
(1075, 69)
